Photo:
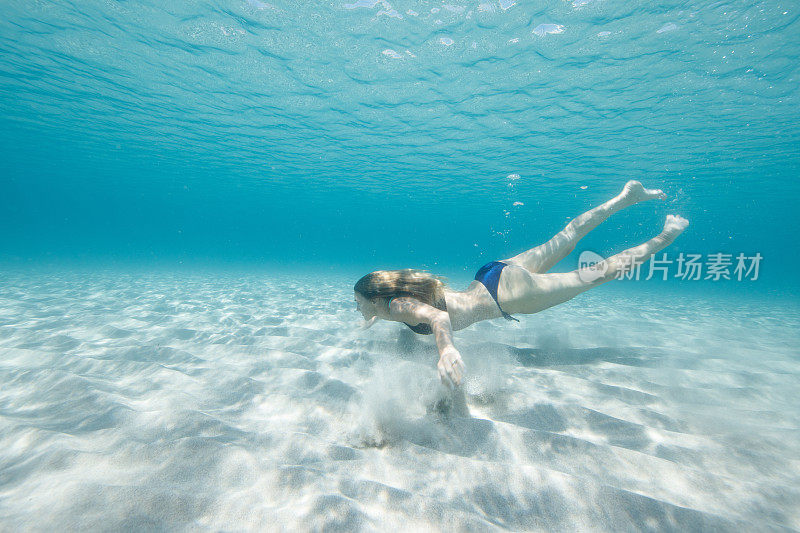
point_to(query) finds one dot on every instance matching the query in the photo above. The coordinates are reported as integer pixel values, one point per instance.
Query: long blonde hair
(418, 284)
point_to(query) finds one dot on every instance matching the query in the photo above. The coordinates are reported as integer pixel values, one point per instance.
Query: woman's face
(366, 307)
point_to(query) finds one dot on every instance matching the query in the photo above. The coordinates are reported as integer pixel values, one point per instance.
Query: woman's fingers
(446, 372)
(443, 372)
(451, 368)
(456, 372)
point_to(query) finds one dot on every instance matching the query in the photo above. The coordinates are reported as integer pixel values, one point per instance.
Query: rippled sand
(246, 402)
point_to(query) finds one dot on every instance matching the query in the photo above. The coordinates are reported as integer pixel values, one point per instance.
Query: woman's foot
(634, 192)
(674, 225)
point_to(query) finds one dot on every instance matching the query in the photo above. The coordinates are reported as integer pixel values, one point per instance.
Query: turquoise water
(366, 135)
(188, 191)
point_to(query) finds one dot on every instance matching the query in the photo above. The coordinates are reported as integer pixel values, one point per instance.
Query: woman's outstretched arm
(412, 311)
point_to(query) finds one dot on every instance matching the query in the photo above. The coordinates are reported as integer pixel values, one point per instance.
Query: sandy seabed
(246, 402)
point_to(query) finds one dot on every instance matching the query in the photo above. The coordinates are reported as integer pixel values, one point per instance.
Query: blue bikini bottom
(489, 275)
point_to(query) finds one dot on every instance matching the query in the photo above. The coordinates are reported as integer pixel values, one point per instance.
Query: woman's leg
(542, 258)
(523, 292)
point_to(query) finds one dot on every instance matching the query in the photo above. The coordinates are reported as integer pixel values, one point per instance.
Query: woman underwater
(516, 285)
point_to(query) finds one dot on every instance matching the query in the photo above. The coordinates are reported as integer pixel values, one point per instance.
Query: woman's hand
(451, 367)
(411, 311)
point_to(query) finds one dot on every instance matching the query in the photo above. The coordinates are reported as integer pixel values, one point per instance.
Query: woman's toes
(675, 224)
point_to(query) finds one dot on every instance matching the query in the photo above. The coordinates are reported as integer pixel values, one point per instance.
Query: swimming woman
(502, 288)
